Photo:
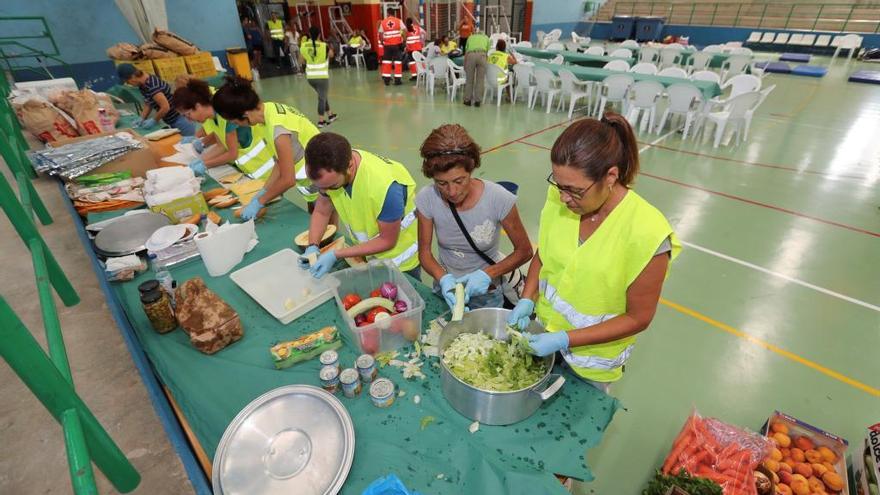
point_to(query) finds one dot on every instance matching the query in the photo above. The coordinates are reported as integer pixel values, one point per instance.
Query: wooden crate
(169, 69)
(144, 65)
(200, 65)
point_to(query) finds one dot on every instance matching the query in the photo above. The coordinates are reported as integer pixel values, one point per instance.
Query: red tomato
(350, 300)
(371, 314)
(376, 293)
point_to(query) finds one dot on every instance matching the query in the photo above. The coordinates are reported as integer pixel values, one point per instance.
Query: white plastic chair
(649, 54)
(493, 73)
(684, 99)
(539, 38)
(557, 60)
(673, 72)
(851, 42)
(629, 44)
(570, 86)
(438, 70)
(644, 96)
(735, 64)
(733, 114)
(741, 83)
(613, 90)
(741, 50)
(808, 40)
(421, 68)
(572, 46)
(796, 39)
(522, 75)
(754, 37)
(580, 40)
(456, 78)
(781, 39)
(768, 37)
(618, 65)
(523, 44)
(699, 61)
(556, 46)
(545, 85)
(706, 75)
(674, 46)
(751, 112)
(550, 38)
(670, 57)
(622, 52)
(595, 50)
(643, 68)
(823, 41)
(713, 49)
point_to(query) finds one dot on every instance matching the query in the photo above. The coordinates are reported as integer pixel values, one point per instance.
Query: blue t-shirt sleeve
(394, 205)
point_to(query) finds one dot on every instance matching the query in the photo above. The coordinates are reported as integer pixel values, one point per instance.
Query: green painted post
(736, 19)
(671, 11)
(82, 476)
(763, 13)
(27, 231)
(24, 355)
(15, 165)
(848, 17)
(691, 18)
(714, 11)
(818, 16)
(54, 339)
(788, 19)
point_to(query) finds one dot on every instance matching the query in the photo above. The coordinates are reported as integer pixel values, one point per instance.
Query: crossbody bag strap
(467, 236)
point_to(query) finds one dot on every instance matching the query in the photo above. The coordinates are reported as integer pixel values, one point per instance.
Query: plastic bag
(174, 42)
(124, 51)
(726, 454)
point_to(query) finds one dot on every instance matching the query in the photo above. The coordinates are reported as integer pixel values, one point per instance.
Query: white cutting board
(277, 278)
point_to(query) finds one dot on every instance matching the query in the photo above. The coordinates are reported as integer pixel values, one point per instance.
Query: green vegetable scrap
(383, 358)
(661, 484)
(494, 365)
(426, 421)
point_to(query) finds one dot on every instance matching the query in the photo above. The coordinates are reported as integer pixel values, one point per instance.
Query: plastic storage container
(237, 58)
(649, 28)
(390, 333)
(622, 27)
(168, 69)
(200, 65)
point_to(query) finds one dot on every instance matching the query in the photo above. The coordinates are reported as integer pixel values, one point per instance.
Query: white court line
(661, 138)
(783, 277)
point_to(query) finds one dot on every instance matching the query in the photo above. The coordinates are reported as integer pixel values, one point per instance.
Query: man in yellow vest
(501, 59)
(276, 33)
(374, 197)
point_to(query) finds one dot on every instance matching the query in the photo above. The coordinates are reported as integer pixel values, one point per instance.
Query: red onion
(359, 319)
(388, 291)
(400, 306)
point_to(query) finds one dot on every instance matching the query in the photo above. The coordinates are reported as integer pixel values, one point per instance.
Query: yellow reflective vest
(585, 284)
(317, 64)
(276, 29)
(360, 211)
(499, 59)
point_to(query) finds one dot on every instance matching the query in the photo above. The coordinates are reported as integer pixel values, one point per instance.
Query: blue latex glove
(447, 289)
(303, 262)
(388, 485)
(250, 211)
(476, 283)
(520, 315)
(197, 143)
(138, 123)
(198, 166)
(544, 344)
(324, 264)
(149, 122)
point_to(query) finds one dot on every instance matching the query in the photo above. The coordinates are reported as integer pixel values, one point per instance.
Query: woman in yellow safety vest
(316, 55)
(192, 99)
(502, 60)
(603, 253)
(375, 198)
(277, 149)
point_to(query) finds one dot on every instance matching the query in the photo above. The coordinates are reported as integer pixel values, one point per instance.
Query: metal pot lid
(293, 439)
(129, 233)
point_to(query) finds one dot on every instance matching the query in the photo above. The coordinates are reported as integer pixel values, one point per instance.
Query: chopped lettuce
(494, 365)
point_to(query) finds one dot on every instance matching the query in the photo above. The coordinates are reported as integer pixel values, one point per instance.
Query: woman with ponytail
(316, 55)
(603, 253)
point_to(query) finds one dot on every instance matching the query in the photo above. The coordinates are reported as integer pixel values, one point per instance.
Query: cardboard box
(137, 161)
(819, 438)
(183, 208)
(866, 463)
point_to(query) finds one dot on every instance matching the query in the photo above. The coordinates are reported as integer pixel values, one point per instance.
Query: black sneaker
(322, 124)
(477, 104)
(332, 117)
(386, 81)
(413, 78)
(467, 103)
(398, 81)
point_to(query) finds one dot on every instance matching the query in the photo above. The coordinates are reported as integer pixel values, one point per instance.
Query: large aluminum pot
(488, 407)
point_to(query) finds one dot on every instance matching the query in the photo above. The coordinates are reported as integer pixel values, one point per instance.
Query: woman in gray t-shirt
(449, 158)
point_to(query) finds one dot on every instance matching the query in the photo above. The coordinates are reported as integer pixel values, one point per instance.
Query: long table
(708, 88)
(572, 57)
(717, 60)
(210, 390)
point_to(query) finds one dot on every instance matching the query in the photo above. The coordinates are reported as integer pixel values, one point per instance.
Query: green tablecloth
(717, 58)
(572, 57)
(708, 88)
(211, 390)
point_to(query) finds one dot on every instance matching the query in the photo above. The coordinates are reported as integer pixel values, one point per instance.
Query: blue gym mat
(809, 70)
(761, 65)
(865, 76)
(778, 68)
(795, 57)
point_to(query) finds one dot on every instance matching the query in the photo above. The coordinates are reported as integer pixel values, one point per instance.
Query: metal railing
(31, 39)
(48, 376)
(833, 17)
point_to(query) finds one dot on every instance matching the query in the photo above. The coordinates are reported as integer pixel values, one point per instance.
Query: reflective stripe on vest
(315, 55)
(265, 168)
(391, 27)
(314, 71)
(407, 220)
(276, 30)
(259, 147)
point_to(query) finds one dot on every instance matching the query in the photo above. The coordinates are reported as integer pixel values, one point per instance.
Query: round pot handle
(550, 390)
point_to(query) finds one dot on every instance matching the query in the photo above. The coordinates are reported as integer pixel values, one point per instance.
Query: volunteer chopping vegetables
(277, 151)
(603, 253)
(193, 101)
(467, 214)
(374, 197)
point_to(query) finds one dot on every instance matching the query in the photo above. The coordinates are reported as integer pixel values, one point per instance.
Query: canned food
(382, 392)
(329, 376)
(330, 358)
(366, 366)
(351, 382)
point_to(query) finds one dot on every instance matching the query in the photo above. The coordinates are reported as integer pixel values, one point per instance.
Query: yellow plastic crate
(144, 65)
(170, 68)
(200, 65)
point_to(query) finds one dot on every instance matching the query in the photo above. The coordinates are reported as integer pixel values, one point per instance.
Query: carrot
(681, 443)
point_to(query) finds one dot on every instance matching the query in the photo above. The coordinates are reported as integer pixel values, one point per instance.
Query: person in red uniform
(413, 44)
(392, 40)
